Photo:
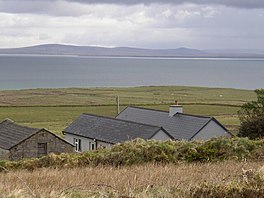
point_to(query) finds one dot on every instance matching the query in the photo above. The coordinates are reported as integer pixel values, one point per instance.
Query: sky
(157, 24)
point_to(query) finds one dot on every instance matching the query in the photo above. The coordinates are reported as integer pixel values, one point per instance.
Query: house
(179, 125)
(18, 142)
(89, 132)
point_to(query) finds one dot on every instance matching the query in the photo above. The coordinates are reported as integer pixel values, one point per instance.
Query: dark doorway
(42, 149)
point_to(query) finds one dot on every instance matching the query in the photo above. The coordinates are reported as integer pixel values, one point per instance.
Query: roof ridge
(198, 116)
(19, 125)
(150, 109)
(7, 120)
(121, 120)
(18, 132)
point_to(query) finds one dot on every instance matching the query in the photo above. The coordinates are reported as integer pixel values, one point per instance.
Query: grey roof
(110, 130)
(180, 126)
(11, 133)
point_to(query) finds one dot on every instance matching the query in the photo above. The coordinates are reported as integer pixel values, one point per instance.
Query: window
(92, 146)
(78, 145)
(42, 149)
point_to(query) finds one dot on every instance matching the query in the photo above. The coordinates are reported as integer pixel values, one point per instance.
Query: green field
(57, 108)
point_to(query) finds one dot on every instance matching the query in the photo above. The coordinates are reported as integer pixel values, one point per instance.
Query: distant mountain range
(57, 49)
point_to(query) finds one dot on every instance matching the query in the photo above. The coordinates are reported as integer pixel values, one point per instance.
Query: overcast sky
(202, 24)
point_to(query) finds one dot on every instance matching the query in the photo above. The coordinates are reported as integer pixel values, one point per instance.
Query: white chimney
(175, 109)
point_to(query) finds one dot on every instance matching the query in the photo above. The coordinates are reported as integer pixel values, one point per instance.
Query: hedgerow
(140, 151)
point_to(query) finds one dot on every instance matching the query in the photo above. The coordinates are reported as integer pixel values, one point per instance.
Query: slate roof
(180, 126)
(11, 133)
(110, 130)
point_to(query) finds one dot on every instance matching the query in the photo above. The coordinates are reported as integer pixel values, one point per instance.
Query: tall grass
(141, 181)
(222, 167)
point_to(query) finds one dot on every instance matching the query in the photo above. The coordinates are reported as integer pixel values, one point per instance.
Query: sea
(26, 72)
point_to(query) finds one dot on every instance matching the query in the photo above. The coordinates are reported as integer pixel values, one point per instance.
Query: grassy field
(56, 108)
(141, 181)
(136, 95)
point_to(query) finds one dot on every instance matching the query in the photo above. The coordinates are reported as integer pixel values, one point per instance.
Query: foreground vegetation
(221, 179)
(57, 108)
(217, 168)
(140, 152)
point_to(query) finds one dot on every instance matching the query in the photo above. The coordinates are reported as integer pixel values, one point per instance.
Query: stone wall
(4, 154)
(29, 147)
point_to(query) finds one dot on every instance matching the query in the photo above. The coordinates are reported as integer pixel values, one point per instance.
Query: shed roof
(11, 133)
(110, 130)
(180, 126)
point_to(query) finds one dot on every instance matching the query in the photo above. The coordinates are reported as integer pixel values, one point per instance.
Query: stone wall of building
(29, 147)
(4, 154)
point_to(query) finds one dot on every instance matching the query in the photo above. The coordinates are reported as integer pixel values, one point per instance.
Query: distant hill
(57, 49)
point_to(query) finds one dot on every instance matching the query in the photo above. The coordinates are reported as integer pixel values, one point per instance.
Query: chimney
(176, 108)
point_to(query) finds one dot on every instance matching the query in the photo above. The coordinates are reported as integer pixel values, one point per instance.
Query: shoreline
(140, 57)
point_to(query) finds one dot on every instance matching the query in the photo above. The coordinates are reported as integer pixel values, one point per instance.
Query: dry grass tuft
(149, 180)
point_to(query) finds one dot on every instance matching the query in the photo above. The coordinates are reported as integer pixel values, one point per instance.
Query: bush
(140, 151)
(251, 116)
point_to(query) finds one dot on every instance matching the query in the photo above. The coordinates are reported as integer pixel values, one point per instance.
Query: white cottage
(179, 125)
(89, 132)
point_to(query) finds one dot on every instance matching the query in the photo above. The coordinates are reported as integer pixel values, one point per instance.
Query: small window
(42, 149)
(92, 146)
(77, 143)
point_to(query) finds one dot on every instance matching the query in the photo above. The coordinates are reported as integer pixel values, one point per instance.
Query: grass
(134, 95)
(142, 181)
(54, 118)
(57, 108)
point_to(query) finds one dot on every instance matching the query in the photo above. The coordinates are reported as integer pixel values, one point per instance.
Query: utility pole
(117, 105)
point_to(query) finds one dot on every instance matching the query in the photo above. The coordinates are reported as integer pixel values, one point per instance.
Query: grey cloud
(232, 3)
(65, 8)
(24, 6)
(17, 6)
(43, 7)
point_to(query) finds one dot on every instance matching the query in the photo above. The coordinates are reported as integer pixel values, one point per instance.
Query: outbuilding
(19, 142)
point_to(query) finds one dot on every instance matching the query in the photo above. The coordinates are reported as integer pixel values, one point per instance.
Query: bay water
(24, 72)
